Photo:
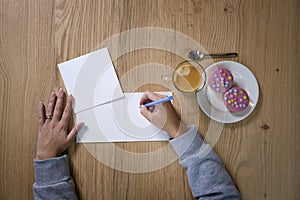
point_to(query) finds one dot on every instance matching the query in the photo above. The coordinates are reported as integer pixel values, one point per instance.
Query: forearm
(53, 179)
(207, 176)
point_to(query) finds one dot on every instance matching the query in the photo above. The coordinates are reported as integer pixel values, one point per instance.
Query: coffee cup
(188, 77)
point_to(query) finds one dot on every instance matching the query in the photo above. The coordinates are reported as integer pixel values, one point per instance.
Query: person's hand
(162, 115)
(53, 136)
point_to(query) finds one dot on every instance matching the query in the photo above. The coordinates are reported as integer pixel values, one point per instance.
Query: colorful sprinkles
(236, 99)
(220, 80)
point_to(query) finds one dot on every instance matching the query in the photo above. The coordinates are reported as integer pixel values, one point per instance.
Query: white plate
(211, 102)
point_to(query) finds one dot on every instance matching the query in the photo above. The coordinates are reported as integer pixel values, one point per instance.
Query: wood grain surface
(261, 152)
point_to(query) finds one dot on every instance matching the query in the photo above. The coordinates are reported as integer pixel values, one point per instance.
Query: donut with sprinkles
(220, 80)
(236, 99)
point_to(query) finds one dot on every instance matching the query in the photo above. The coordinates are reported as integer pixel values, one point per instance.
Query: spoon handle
(222, 55)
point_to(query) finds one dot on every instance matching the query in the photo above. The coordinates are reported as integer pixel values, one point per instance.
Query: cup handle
(166, 77)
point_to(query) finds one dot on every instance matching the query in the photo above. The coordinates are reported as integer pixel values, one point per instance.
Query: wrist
(178, 131)
(44, 156)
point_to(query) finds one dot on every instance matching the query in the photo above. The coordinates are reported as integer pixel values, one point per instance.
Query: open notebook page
(119, 121)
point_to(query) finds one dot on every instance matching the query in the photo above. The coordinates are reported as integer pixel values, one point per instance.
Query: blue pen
(153, 103)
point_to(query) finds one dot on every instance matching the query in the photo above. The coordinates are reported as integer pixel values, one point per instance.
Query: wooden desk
(261, 153)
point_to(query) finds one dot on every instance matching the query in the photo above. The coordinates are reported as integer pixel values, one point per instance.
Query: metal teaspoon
(197, 55)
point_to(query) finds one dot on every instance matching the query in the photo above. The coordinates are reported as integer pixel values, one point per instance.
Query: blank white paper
(91, 79)
(118, 121)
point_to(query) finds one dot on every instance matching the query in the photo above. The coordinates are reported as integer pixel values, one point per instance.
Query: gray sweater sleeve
(53, 179)
(207, 176)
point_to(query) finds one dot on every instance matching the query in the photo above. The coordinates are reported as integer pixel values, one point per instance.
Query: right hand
(162, 115)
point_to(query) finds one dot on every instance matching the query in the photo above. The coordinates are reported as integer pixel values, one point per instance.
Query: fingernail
(81, 124)
(40, 105)
(60, 92)
(52, 96)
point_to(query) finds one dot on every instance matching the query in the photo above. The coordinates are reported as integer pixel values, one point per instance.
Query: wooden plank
(27, 76)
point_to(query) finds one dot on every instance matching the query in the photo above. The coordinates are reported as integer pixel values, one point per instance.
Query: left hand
(53, 136)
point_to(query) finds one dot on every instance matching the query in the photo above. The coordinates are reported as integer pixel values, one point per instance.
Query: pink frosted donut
(220, 80)
(236, 99)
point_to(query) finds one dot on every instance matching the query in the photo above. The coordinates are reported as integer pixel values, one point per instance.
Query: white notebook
(108, 114)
